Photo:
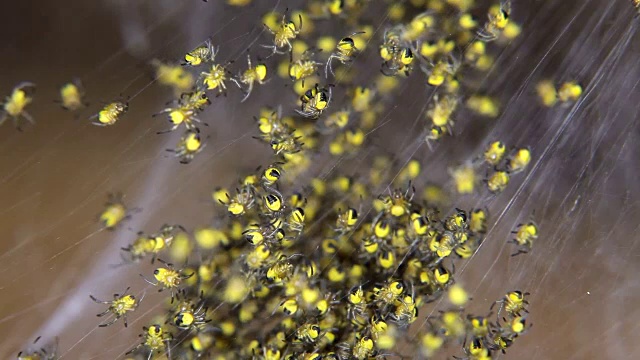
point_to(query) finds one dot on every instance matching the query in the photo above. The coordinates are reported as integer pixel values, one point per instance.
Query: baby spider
(283, 34)
(295, 220)
(569, 91)
(547, 93)
(119, 307)
(513, 303)
(287, 145)
(345, 52)
(516, 326)
(398, 203)
(524, 236)
(498, 181)
(270, 123)
(141, 247)
(499, 342)
(172, 75)
(441, 109)
(388, 294)
(251, 76)
(443, 245)
(498, 19)
(315, 101)
(155, 340)
(115, 212)
(47, 352)
(189, 315)
(180, 115)
(396, 57)
(346, 221)
(195, 100)
(168, 278)
(464, 178)
(502, 337)
(151, 244)
(256, 234)
(271, 174)
(215, 78)
(284, 268)
(273, 203)
(243, 200)
(167, 233)
(303, 67)
(441, 71)
(110, 113)
(494, 153)
(201, 54)
(434, 134)
(71, 95)
(14, 104)
(399, 61)
(478, 220)
(364, 348)
(477, 350)
(190, 144)
(519, 160)
(336, 121)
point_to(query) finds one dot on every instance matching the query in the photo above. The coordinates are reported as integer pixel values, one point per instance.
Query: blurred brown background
(54, 177)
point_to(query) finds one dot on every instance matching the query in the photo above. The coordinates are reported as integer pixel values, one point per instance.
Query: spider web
(581, 186)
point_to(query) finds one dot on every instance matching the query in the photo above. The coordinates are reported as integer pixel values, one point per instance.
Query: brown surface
(54, 177)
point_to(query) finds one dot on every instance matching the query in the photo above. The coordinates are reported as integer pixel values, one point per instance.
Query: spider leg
(98, 300)
(328, 68)
(110, 322)
(104, 313)
(249, 89)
